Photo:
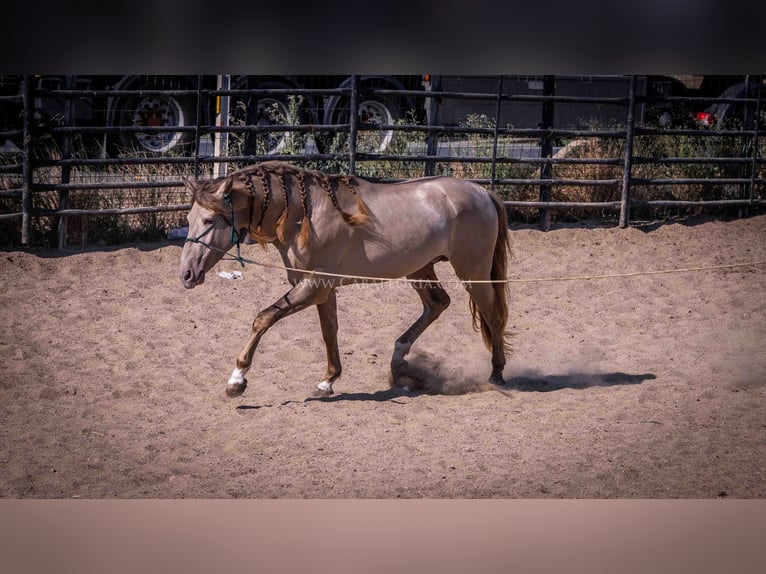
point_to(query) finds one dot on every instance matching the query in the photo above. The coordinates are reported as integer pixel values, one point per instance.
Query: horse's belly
(392, 266)
(397, 258)
(405, 240)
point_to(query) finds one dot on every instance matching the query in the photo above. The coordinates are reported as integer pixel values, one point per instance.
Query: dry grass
(101, 229)
(120, 228)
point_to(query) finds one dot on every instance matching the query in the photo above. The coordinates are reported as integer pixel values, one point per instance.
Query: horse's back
(432, 204)
(418, 221)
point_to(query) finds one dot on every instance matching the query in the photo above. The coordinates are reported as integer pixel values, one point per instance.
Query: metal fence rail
(618, 163)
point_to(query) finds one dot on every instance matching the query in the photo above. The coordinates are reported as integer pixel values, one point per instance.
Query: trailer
(135, 111)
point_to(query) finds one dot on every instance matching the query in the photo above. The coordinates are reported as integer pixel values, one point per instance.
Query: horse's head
(212, 228)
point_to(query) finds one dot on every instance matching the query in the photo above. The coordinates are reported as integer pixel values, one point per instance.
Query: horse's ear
(224, 190)
(189, 184)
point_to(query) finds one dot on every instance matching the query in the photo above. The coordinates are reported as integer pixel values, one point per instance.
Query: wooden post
(493, 174)
(197, 171)
(756, 136)
(546, 150)
(628, 166)
(432, 143)
(354, 118)
(221, 147)
(26, 190)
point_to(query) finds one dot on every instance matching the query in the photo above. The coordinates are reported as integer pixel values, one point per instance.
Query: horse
(332, 230)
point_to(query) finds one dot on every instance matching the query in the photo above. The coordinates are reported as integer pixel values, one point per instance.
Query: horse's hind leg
(328, 320)
(492, 325)
(435, 300)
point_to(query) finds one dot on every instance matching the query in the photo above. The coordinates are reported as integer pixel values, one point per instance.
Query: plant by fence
(106, 165)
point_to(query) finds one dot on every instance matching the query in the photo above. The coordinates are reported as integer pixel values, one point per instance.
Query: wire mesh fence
(89, 159)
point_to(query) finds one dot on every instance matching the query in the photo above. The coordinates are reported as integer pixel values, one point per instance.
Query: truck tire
(373, 110)
(156, 110)
(735, 115)
(271, 110)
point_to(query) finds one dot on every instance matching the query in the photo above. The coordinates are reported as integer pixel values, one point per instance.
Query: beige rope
(532, 280)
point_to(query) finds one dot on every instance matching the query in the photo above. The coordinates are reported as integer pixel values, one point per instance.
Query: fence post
(756, 134)
(66, 169)
(221, 147)
(628, 165)
(26, 189)
(493, 174)
(354, 118)
(546, 150)
(196, 128)
(432, 143)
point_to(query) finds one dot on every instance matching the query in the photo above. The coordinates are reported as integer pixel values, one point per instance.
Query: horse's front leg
(328, 320)
(303, 295)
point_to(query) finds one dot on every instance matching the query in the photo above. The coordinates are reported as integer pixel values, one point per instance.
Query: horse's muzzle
(191, 279)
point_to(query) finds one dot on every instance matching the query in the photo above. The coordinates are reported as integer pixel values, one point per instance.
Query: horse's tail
(500, 256)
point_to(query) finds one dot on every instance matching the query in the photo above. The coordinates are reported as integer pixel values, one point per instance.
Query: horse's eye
(207, 221)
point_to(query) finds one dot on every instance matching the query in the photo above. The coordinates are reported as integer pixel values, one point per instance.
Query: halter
(234, 236)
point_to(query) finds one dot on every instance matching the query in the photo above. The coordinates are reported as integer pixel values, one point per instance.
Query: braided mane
(299, 178)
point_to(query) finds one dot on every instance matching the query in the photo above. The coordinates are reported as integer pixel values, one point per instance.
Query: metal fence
(610, 144)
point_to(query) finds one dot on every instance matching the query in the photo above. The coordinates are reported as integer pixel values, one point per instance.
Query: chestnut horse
(346, 230)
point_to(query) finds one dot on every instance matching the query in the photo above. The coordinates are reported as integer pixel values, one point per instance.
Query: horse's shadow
(390, 395)
(424, 377)
(524, 383)
(577, 381)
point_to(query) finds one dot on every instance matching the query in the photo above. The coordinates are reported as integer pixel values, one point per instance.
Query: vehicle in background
(152, 101)
(653, 110)
(733, 114)
(525, 114)
(329, 109)
(127, 103)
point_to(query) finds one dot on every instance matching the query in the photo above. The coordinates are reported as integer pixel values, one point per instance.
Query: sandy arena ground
(112, 378)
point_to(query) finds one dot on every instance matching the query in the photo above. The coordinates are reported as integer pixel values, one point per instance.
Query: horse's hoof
(497, 380)
(236, 389)
(405, 383)
(324, 389)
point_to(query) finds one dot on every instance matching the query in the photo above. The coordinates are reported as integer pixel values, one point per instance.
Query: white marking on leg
(237, 377)
(326, 386)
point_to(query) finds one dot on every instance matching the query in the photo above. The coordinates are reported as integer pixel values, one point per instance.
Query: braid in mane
(298, 175)
(363, 212)
(326, 183)
(265, 182)
(303, 237)
(246, 176)
(248, 181)
(282, 221)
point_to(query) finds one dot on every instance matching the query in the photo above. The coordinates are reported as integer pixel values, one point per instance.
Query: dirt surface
(112, 377)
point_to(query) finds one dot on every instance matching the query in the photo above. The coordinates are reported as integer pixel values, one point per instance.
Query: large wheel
(736, 116)
(156, 110)
(373, 110)
(270, 110)
(11, 114)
